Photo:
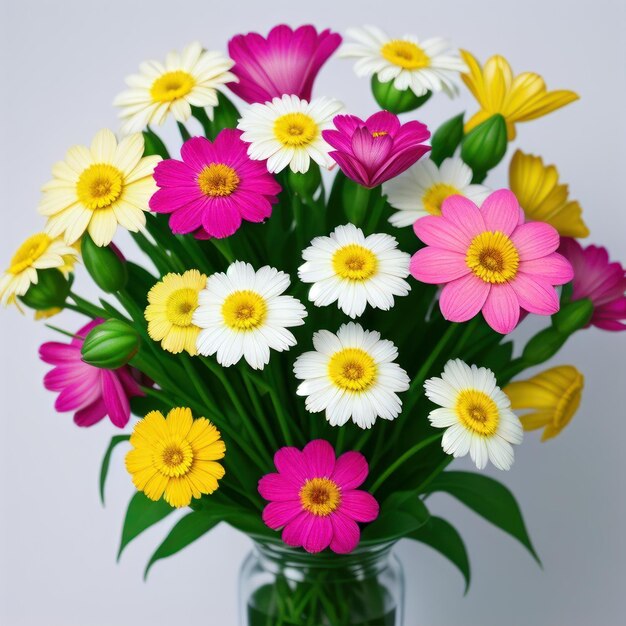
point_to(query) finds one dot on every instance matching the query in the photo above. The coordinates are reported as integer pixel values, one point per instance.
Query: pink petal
(371, 151)
(320, 456)
(383, 122)
(436, 231)
(502, 308)
(338, 140)
(170, 199)
(361, 506)
(172, 173)
(198, 152)
(464, 214)
(115, 399)
(351, 167)
(554, 269)
(436, 266)
(534, 240)
(346, 533)
(56, 353)
(131, 386)
(188, 218)
(280, 513)
(64, 376)
(277, 487)
(463, 298)
(297, 530)
(80, 393)
(347, 124)
(535, 296)
(253, 207)
(410, 134)
(292, 464)
(91, 414)
(350, 470)
(398, 162)
(501, 211)
(221, 217)
(319, 536)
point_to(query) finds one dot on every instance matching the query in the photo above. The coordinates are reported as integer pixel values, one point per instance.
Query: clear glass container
(282, 586)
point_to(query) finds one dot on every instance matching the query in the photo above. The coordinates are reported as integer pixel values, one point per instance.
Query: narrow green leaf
(140, 515)
(490, 499)
(104, 469)
(443, 537)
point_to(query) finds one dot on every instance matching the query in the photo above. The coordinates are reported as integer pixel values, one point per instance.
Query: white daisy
(422, 66)
(421, 189)
(243, 314)
(476, 414)
(288, 131)
(351, 375)
(188, 79)
(354, 270)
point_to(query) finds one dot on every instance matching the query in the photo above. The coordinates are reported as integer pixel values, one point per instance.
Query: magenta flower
(599, 280)
(490, 260)
(214, 187)
(314, 497)
(285, 63)
(377, 149)
(90, 391)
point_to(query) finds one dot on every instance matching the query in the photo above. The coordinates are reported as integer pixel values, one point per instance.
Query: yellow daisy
(542, 198)
(518, 99)
(175, 456)
(552, 397)
(97, 188)
(171, 305)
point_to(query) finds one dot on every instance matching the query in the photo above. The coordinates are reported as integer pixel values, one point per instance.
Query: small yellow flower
(518, 99)
(537, 188)
(552, 397)
(175, 456)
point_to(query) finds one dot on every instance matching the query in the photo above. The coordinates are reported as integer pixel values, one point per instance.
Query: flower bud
(483, 147)
(104, 265)
(446, 139)
(573, 316)
(395, 101)
(49, 292)
(110, 345)
(543, 346)
(305, 184)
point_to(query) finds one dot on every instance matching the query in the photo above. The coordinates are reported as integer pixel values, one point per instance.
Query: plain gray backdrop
(61, 65)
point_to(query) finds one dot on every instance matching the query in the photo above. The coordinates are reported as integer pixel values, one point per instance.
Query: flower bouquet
(322, 322)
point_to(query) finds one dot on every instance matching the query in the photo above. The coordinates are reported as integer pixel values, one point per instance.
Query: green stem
(84, 306)
(256, 403)
(60, 330)
(184, 133)
(224, 248)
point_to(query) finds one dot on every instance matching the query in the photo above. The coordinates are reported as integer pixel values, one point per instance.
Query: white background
(61, 65)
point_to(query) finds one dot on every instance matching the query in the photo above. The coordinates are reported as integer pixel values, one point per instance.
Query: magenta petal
(534, 240)
(198, 152)
(462, 299)
(436, 266)
(346, 533)
(320, 456)
(319, 536)
(361, 506)
(80, 393)
(501, 211)
(173, 173)
(371, 151)
(464, 214)
(350, 470)
(188, 218)
(554, 269)
(502, 310)
(115, 399)
(383, 122)
(56, 353)
(280, 513)
(292, 464)
(221, 217)
(130, 385)
(253, 207)
(297, 530)
(347, 124)
(534, 296)
(91, 414)
(352, 168)
(170, 199)
(436, 231)
(277, 487)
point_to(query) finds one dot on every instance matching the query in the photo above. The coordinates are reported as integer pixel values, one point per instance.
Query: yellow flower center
(435, 195)
(244, 310)
(99, 186)
(477, 412)
(379, 133)
(180, 306)
(320, 496)
(175, 458)
(405, 54)
(492, 257)
(352, 369)
(172, 86)
(218, 179)
(29, 252)
(355, 262)
(295, 130)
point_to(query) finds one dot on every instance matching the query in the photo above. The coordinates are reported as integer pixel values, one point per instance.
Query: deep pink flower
(377, 149)
(490, 260)
(90, 391)
(214, 187)
(596, 278)
(284, 63)
(314, 497)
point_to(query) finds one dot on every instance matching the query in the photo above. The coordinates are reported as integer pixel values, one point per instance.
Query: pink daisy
(286, 62)
(214, 187)
(314, 497)
(599, 280)
(90, 391)
(377, 149)
(490, 260)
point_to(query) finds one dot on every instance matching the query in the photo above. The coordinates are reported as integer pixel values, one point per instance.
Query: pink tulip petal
(361, 506)
(280, 513)
(347, 124)
(118, 407)
(534, 296)
(91, 414)
(352, 168)
(502, 308)
(437, 266)
(319, 536)
(320, 457)
(463, 298)
(436, 231)
(464, 214)
(370, 151)
(277, 487)
(383, 122)
(534, 240)
(398, 162)
(501, 211)
(350, 470)
(554, 269)
(346, 533)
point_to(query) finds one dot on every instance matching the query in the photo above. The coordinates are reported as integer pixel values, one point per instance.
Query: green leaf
(443, 537)
(104, 470)
(490, 499)
(186, 531)
(446, 139)
(142, 405)
(141, 514)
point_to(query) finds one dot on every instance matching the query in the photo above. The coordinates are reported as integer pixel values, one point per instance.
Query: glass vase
(282, 586)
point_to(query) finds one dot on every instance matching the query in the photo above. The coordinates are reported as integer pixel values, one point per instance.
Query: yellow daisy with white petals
(476, 414)
(99, 187)
(288, 132)
(186, 79)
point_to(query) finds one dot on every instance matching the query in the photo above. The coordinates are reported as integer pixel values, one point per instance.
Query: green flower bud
(543, 346)
(50, 291)
(110, 345)
(104, 265)
(305, 184)
(356, 201)
(483, 148)
(394, 100)
(573, 316)
(447, 139)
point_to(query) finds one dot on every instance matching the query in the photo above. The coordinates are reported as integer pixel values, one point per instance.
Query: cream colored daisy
(476, 414)
(186, 79)
(288, 132)
(422, 66)
(97, 188)
(421, 189)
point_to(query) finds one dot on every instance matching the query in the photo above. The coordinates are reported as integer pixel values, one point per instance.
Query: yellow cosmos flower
(517, 98)
(175, 456)
(171, 305)
(97, 188)
(552, 397)
(537, 188)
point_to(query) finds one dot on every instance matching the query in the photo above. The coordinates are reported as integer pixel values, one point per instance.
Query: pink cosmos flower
(490, 260)
(314, 497)
(286, 62)
(596, 278)
(377, 149)
(90, 391)
(214, 187)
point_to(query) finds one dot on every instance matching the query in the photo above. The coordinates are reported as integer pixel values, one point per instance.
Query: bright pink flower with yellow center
(489, 259)
(214, 188)
(285, 62)
(314, 497)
